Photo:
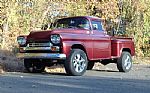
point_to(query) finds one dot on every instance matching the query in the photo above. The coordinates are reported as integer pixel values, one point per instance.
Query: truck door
(101, 41)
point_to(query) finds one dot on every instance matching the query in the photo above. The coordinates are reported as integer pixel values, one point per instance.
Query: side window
(97, 25)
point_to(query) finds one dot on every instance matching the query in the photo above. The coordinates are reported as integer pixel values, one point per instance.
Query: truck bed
(119, 44)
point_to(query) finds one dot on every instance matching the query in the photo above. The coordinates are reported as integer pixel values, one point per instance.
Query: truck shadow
(64, 74)
(105, 70)
(54, 73)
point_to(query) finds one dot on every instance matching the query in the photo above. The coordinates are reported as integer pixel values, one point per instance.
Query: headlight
(21, 40)
(55, 39)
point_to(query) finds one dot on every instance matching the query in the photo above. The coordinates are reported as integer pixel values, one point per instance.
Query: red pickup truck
(76, 42)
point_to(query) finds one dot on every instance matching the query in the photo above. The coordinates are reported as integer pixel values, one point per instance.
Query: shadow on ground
(105, 70)
(54, 73)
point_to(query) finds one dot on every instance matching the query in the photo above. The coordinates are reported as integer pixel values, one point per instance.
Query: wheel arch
(79, 46)
(127, 50)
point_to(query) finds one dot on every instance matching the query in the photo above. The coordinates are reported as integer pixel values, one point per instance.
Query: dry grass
(55, 69)
(9, 62)
(141, 60)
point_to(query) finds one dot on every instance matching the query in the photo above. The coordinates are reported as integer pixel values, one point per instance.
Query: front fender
(66, 46)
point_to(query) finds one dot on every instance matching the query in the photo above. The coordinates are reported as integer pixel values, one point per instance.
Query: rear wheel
(34, 66)
(124, 63)
(76, 63)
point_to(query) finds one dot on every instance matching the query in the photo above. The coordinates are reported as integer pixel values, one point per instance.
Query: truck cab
(77, 42)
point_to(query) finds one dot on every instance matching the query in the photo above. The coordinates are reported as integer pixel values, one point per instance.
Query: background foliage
(19, 17)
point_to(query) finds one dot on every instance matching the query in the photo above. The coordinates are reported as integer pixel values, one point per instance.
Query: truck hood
(39, 35)
(45, 35)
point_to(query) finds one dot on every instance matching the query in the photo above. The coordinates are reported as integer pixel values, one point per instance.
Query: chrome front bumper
(41, 55)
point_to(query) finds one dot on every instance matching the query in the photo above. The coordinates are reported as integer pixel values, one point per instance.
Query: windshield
(82, 23)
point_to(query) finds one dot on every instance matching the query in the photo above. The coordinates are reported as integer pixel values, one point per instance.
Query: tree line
(127, 17)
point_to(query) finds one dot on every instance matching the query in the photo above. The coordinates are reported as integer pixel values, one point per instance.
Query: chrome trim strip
(40, 48)
(40, 44)
(36, 48)
(41, 55)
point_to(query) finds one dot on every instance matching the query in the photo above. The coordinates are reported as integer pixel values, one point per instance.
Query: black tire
(34, 66)
(90, 65)
(124, 63)
(76, 63)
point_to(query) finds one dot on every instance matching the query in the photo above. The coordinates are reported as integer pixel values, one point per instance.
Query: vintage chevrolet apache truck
(77, 42)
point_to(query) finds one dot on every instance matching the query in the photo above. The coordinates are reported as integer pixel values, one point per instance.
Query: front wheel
(124, 63)
(76, 63)
(34, 66)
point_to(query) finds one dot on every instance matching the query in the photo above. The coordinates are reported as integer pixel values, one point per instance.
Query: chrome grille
(39, 44)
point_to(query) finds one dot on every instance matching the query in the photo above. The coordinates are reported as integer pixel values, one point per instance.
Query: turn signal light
(21, 49)
(53, 48)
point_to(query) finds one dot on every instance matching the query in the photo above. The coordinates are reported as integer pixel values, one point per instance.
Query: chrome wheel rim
(128, 62)
(79, 63)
